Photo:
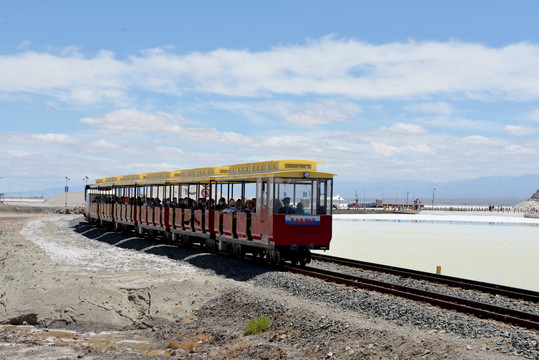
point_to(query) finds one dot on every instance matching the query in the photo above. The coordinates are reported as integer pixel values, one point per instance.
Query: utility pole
(85, 179)
(66, 189)
(433, 190)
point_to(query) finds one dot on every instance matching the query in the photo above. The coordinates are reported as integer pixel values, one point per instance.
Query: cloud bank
(327, 67)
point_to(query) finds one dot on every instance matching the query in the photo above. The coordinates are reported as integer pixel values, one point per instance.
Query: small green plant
(256, 326)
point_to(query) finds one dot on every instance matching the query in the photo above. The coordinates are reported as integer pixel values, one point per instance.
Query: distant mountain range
(494, 187)
(45, 193)
(490, 187)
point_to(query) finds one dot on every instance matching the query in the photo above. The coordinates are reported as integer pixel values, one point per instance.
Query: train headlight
(306, 174)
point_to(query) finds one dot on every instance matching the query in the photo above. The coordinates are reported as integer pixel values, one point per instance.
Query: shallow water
(504, 253)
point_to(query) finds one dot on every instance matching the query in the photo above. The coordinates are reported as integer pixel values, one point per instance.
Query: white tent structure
(338, 199)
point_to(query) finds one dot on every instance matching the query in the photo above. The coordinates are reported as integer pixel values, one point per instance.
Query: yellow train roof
(248, 171)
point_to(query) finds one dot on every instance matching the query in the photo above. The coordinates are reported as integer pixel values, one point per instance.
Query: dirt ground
(69, 290)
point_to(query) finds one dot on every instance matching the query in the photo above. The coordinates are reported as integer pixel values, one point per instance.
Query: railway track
(482, 310)
(494, 289)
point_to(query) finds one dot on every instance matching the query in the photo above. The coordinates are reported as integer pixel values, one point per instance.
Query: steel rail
(478, 309)
(494, 289)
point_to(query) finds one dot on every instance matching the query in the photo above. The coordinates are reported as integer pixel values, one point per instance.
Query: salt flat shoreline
(456, 216)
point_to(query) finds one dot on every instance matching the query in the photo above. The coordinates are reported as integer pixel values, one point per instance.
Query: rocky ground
(69, 290)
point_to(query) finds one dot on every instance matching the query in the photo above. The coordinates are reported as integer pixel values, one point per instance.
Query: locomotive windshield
(302, 196)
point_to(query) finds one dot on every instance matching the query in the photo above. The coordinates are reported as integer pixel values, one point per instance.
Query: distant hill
(45, 193)
(522, 186)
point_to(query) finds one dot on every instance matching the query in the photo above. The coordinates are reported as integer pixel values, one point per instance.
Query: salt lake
(501, 248)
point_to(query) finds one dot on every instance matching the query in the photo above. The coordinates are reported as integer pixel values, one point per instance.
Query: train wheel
(295, 258)
(210, 245)
(304, 258)
(276, 258)
(258, 255)
(186, 242)
(237, 251)
(269, 256)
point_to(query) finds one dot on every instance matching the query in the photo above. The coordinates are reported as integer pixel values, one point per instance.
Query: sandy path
(52, 276)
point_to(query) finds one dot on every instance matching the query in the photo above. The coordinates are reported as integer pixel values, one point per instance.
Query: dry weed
(205, 337)
(188, 345)
(189, 319)
(234, 352)
(173, 344)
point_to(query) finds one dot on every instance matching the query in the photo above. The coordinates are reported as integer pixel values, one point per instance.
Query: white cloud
(390, 150)
(384, 149)
(452, 123)
(519, 150)
(439, 107)
(299, 113)
(517, 130)
(129, 121)
(477, 140)
(421, 148)
(326, 67)
(133, 120)
(40, 138)
(320, 113)
(401, 128)
(20, 153)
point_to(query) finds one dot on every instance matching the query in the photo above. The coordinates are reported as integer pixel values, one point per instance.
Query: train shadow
(221, 265)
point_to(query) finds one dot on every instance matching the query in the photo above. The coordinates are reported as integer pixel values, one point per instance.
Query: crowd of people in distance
(183, 203)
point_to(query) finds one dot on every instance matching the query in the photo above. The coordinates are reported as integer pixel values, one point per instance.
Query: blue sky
(379, 90)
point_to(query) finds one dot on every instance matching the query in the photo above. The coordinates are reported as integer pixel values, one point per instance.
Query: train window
(322, 197)
(264, 193)
(302, 196)
(293, 196)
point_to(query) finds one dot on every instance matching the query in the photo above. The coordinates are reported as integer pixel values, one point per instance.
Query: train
(276, 211)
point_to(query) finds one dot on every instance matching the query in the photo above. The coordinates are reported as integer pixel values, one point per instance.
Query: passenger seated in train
(249, 207)
(202, 204)
(221, 205)
(286, 208)
(254, 205)
(183, 203)
(239, 205)
(231, 206)
(299, 208)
